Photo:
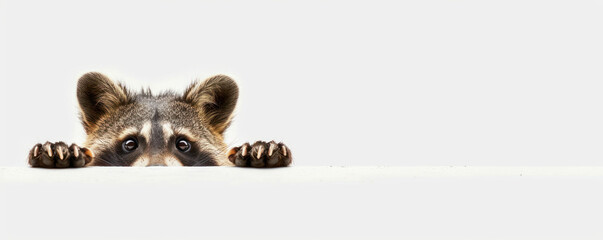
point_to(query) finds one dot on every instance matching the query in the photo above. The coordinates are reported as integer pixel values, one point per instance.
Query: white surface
(441, 82)
(302, 203)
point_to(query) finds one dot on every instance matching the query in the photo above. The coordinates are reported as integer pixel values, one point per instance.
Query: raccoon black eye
(129, 145)
(183, 145)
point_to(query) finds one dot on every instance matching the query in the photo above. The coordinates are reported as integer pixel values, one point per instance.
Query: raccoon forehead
(133, 116)
(167, 128)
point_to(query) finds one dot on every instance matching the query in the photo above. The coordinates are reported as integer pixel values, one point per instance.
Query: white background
(341, 82)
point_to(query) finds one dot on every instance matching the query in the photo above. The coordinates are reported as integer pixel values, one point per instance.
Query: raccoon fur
(141, 129)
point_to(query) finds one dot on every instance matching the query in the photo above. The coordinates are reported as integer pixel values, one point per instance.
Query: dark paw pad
(261, 155)
(59, 155)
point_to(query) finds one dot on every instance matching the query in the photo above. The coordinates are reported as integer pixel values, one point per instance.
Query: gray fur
(204, 110)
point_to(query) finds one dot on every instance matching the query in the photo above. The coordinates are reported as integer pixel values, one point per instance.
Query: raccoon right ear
(97, 96)
(215, 98)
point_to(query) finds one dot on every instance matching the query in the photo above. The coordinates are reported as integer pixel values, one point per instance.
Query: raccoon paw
(261, 155)
(59, 155)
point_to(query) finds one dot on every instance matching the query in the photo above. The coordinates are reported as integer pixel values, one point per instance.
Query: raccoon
(124, 128)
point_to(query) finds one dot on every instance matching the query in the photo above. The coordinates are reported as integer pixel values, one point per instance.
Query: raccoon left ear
(215, 98)
(98, 96)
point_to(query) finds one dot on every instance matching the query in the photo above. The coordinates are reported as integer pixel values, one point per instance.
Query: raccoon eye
(129, 145)
(183, 145)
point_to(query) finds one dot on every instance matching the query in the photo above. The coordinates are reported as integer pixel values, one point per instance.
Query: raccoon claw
(59, 155)
(260, 155)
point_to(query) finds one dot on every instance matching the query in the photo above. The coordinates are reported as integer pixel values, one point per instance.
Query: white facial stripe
(172, 161)
(187, 133)
(141, 162)
(167, 131)
(127, 132)
(145, 131)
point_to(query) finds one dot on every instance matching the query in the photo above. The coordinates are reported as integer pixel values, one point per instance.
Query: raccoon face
(142, 129)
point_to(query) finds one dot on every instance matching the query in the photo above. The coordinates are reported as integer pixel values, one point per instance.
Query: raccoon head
(141, 129)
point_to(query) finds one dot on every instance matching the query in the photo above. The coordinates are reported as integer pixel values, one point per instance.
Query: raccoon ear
(215, 98)
(98, 95)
